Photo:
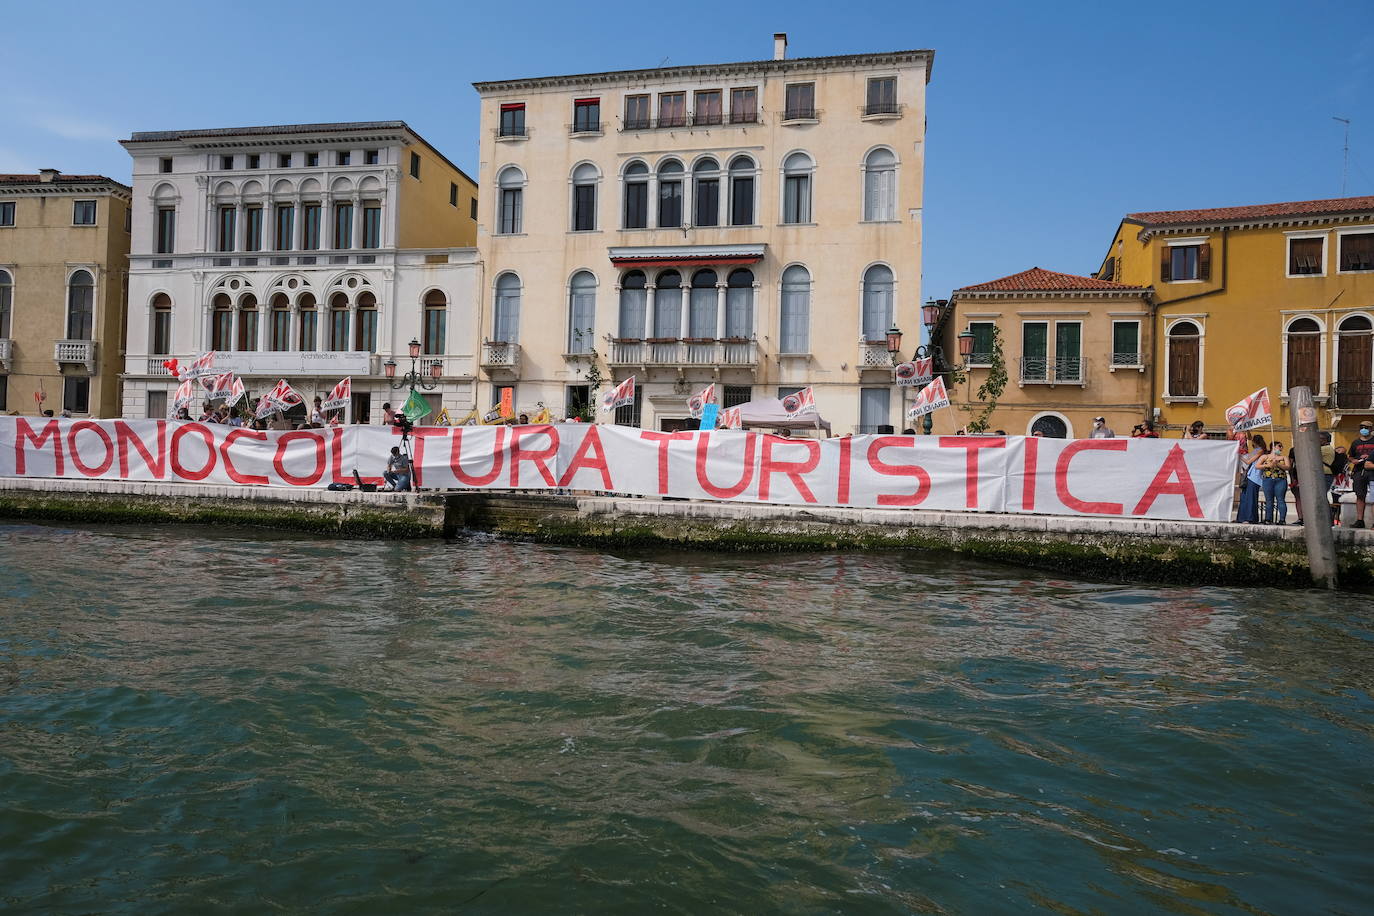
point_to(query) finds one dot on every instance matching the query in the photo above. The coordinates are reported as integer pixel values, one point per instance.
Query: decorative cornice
(1267, 222)
(1144, 292)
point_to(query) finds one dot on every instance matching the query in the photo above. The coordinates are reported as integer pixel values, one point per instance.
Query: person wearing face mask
(1101, 430)
(1360, 461)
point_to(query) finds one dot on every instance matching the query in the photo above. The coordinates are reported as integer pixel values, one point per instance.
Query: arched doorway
(1050, 425)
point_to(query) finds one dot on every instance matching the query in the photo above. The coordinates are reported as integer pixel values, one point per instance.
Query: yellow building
(1273, 295)
(1074, 348)
(64, 249)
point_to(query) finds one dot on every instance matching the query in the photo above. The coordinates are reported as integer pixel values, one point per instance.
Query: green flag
(416, 408)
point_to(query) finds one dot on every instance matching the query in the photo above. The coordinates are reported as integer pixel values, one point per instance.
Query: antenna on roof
(1345, 163)
(664, 62)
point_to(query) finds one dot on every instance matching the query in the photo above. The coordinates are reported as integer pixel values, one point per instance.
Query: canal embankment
(1108, 548)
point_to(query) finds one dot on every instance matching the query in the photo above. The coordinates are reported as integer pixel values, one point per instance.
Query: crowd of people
(1268, 473)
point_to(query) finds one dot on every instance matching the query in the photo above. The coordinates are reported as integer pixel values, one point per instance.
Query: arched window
(796, 310)
(1304, 354)
(434, 339)
(584, 179)
(511, 216)
(506, 320)
(742, 191)
(338, 322)
(248, 323)
(706, 192)
(739, 304)
(279, 329)
(877, 302)
(668, 305)
(880, 186)
(309, 323)
(701, 311)
(1353, 363)
(633, 302)
(1185, 359)
(80, 306)
(670, 194)
(636, 195)
(796, 188)
(365, 324)
(581, 312)
(221, 323)
(160, 321)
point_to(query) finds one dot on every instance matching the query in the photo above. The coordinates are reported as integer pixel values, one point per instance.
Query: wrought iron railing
(1126, 359)
(1352, 395)
(1037, 370)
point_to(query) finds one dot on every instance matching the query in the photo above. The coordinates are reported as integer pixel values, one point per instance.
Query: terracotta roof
(1298, 208)
(1039, 280)
(57, 179)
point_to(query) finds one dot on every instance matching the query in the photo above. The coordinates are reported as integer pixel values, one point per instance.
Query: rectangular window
(362, 407)
(254, 161)
(162, 331)
(435, 330)
(227, 218)
(670, 204)
(83, 213)
(1068, 351)
(801, 102)
(584, 207)
(1125, 343)
(982, 343)
(707, 201)
(1034, 351)
(586, 116)
(1185, 262)
(510, 211)
(164, 165)
(873, 409)
(248, 329)
(7, 213)
(706, 107)
(796, 199)
(1305, 256)
(513, 120)
(371, 156)
(744, 105)
(735, 395)
(452, 194)
(343, 226)
(166, 230)
(365, 332)
(280, 330)
(309, 319)
(472, 209)
(882, 96)
(414, 165)
(343, 158)
(252, 229)
(637, 205)
(286, 227)
(631, 414)
(312, 160)
(577, 402)
(226, 162)
(636, 112)
(310, 227)
(283, 160)
(1357, 249)
(157, 405)
(672, 109)
(76, 394)
(372, 227)
(742, 201)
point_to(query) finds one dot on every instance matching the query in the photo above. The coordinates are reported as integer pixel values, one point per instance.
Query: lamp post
(414, 378)
(932, 313)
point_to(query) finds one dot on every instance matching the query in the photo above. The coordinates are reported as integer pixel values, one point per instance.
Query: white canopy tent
(767, 413)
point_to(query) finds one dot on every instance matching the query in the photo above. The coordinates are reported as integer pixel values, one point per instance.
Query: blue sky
(1047, 122)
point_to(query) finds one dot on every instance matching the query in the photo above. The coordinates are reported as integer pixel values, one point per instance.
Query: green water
(194, 720)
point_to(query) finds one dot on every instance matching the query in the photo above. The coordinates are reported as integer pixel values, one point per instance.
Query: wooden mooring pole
(1316, 511)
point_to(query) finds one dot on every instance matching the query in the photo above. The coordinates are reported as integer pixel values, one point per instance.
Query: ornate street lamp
(894, 342)
(414, 378)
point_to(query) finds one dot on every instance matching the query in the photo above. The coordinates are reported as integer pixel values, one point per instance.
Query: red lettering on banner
(898, 470)
(182, 431)
(81, 466)
(23, 432)
(1175, 467)
(663, 440)
(792, 470)
(321, 460)
(1032, 445)
(1061, 475)
(972, 445)
(233, 472)
(498, 455)
(846, 458)
(155, 462)
(591, 442)
(539, 457)
(336, 456)
(746, 476)
(418, 435)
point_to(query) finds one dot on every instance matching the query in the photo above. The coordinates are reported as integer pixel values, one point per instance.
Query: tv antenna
(1345, 162)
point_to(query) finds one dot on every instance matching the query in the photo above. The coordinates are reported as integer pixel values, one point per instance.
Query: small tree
(991, 389)
(592, 376)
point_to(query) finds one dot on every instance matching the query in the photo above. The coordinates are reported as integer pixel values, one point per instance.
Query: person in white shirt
(1101, 430)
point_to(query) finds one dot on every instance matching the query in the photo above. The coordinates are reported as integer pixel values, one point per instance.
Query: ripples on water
(223, 720)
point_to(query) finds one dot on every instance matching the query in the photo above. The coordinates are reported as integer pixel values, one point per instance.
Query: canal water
(212, 720)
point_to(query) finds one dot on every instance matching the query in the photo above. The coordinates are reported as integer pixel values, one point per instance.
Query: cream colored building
(756, 225)
(64, 245)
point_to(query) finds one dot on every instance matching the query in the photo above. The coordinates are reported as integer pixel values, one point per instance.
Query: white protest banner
(916, 372)
(1251, 412)
(697, 402)
(340, 395)
(620, 395)
(800, 401)
(928, 400)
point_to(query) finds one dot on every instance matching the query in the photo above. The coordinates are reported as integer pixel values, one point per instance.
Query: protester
(1101, 430)
(1248, 511)
(397, 474)
(1144, 430)
(1361, 463)
(317, 414)
(387, 415)
(1195, 431)
(524, 420)
(1273, 468)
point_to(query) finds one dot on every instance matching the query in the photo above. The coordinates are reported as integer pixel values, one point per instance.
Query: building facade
(753, 225)
(64, 245)
(306, 252)
(1274, 295)
(1074, 348)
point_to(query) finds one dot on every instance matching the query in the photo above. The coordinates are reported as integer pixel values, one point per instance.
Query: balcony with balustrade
(684, 353)
(1352, 395)
(500, 358)
(1037, 370)
(75, 351)
(874, 354)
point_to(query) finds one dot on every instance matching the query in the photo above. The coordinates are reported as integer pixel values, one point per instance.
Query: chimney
(779, 46)
(48, 176)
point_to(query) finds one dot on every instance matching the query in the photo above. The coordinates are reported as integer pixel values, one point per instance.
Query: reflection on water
(193, 718)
